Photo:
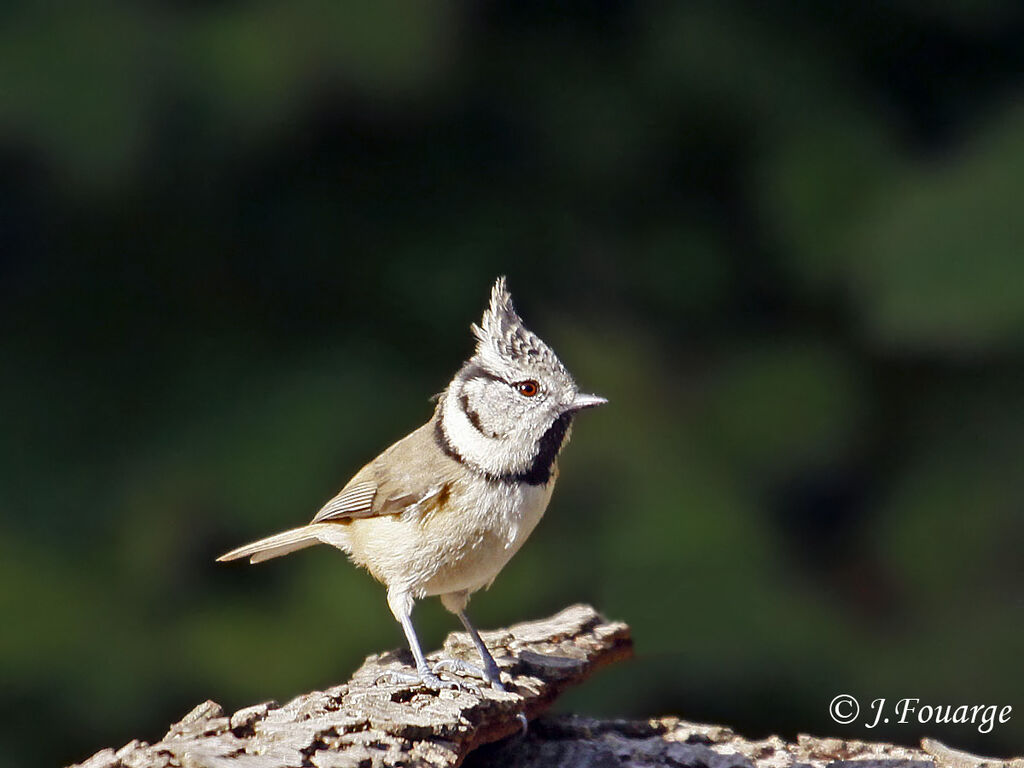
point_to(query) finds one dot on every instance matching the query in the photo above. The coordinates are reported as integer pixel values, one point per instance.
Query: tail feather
(275, 546)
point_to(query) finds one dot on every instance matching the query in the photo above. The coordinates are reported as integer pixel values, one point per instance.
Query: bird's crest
(502, 337)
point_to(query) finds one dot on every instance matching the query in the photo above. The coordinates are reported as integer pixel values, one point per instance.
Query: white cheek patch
(476, 418)
(468, 440)
(496, 456)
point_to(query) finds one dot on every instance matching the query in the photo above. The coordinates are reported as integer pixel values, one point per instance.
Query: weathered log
(575, 742)
(370, 722)
(367, 722)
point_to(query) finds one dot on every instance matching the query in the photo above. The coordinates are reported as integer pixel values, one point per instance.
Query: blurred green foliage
(242, 243)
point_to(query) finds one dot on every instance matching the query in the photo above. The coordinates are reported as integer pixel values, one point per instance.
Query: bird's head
(508, 410)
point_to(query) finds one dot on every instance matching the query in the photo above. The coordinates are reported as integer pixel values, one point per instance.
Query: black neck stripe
(540, 470)
(441, 438)
(445, 444)
(474, 418)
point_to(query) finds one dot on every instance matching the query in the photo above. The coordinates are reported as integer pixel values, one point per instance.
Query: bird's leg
(456, 603)
(491, 673)
(401, 607)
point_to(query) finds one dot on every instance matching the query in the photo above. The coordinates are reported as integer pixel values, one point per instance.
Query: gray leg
(422, 668)
(491, 671)
(456, 603)
(401, 607)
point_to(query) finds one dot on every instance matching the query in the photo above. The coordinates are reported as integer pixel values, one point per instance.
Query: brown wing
(354, 500)
(408, 473)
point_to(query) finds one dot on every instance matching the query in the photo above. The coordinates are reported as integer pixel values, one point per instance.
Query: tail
(283, 543)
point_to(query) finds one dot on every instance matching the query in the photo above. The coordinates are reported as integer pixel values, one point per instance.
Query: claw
(430, 678)
(457, 666)
(460, 666)
(523, 724)
(492, 676)
(427, 679)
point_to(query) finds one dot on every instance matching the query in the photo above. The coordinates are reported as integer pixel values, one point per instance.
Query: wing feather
(405, 479)
(353, 501)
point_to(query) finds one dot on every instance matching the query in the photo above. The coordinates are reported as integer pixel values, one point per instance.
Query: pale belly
(461, 547)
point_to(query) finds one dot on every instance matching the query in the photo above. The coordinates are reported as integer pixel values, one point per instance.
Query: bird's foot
(426, 678)
(490, 674)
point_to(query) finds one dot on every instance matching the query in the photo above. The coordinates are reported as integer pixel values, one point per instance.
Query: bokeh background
(241, 244)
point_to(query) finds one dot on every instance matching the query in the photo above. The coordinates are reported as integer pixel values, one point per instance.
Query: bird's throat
(539, 469)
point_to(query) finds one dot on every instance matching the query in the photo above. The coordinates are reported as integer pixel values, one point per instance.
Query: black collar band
(540, 470)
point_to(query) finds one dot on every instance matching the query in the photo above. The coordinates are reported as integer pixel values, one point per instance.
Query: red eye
(528, 388)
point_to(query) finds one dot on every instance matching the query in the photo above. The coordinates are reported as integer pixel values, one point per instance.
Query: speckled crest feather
(502, 337)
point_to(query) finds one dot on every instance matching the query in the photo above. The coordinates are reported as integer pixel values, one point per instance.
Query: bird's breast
(489, 526)
(457, 541)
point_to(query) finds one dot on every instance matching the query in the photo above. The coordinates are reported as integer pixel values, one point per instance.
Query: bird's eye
(527, 388)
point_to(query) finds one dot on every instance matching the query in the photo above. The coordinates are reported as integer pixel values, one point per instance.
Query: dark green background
(242, 244)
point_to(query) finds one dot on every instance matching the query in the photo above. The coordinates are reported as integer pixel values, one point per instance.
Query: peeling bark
(367, 722)
(574, 742)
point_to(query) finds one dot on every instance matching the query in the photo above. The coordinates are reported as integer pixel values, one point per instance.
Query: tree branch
(366, 723)
(576, 742)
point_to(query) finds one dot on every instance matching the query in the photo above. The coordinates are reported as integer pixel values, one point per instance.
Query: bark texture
(370, 722)
(575, 742)
(366, 722)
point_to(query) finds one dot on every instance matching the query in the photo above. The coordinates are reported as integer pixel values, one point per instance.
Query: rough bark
(575, 742)
(371, 722)
(367, 723)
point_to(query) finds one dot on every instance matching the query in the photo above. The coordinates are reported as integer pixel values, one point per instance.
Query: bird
(443, 510)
